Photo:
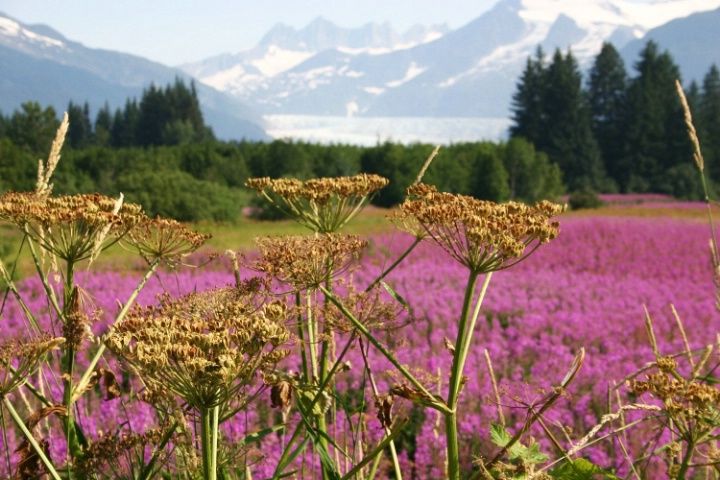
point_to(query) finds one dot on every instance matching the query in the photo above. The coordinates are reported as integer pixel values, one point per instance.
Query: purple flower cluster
(585, 289)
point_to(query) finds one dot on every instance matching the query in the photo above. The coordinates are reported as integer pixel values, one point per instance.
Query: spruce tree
(606, 96)
(707, 116)
(103, 126)
(657, 138)
(125, 125)
(527, 102)
(80, 134)
(569, 141)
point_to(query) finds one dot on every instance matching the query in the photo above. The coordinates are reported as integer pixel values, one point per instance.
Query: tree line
(610, 133)
(159, 152)
(614, 132)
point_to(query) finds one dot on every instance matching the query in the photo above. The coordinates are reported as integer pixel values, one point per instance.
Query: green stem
(91, 367)
(397, 262)
(207, 441)
(213, 456)
(432, 401)
(301, 336)
(31, 439)
(462, 345)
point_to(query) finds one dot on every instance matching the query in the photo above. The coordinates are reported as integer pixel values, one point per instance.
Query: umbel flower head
(205, 347)
(165, 239)
(25, 358)
(323, 205)
(482, 235)
(72, 227)
(305, 262)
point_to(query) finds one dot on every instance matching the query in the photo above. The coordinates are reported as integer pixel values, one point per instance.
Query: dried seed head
(70, 227)
(368, 307)
(205, 347)
(323, 204)
(482, 235)
(306, 262)
(165, 239)
(25, 357)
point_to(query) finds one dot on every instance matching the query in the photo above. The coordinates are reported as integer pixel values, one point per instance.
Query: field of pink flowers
(585, 289)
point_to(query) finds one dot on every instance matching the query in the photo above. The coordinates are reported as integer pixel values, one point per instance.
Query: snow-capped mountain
(471, 71)
(39, 64)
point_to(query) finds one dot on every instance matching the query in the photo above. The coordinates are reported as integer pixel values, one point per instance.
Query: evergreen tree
(606, 96)
(154, 115)
(103, 126)
(707, 116)
(527, 101)
(125, 125)
(79, 134)
(657, 137)
(33, 128)
(569, 141)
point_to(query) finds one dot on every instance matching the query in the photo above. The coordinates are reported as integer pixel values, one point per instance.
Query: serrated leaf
(534, 455)
(580, 469)
(498, 435)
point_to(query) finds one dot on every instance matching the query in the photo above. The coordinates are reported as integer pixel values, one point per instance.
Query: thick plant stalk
(468, 319)
(31, 439)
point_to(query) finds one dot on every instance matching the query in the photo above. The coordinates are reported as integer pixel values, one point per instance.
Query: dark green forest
(609, 132)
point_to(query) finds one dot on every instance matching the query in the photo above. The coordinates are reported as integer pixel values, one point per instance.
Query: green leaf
(395, 295)
(498, 435)
(580, 469)
(257, 436)
(534, 455)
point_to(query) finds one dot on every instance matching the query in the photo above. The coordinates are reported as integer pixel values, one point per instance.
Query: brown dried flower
(25, 358)
(482, 235)
(70, 227)
(322, 204)
(205, 347)
(165, 239)
(368, 308)
(306, 261)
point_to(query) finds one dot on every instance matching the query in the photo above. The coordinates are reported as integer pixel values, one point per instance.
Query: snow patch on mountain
(10, 28)
(412, 72)
(277, 60)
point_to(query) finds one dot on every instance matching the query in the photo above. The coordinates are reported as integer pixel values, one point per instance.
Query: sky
(180, 31)
(173, 32)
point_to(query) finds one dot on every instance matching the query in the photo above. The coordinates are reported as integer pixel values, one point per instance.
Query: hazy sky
(179, 31)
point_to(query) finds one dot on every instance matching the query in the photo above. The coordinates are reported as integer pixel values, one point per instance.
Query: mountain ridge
(468, 71)
(37, 63)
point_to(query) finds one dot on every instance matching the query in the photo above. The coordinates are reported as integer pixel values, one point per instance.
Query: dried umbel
(688, 402)
(368, 307)
(165, 239)
(19, 360)
(305, 262)
(73, 227)
(322, 204)
(482, 235)
(116, 455)
(205, 347)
